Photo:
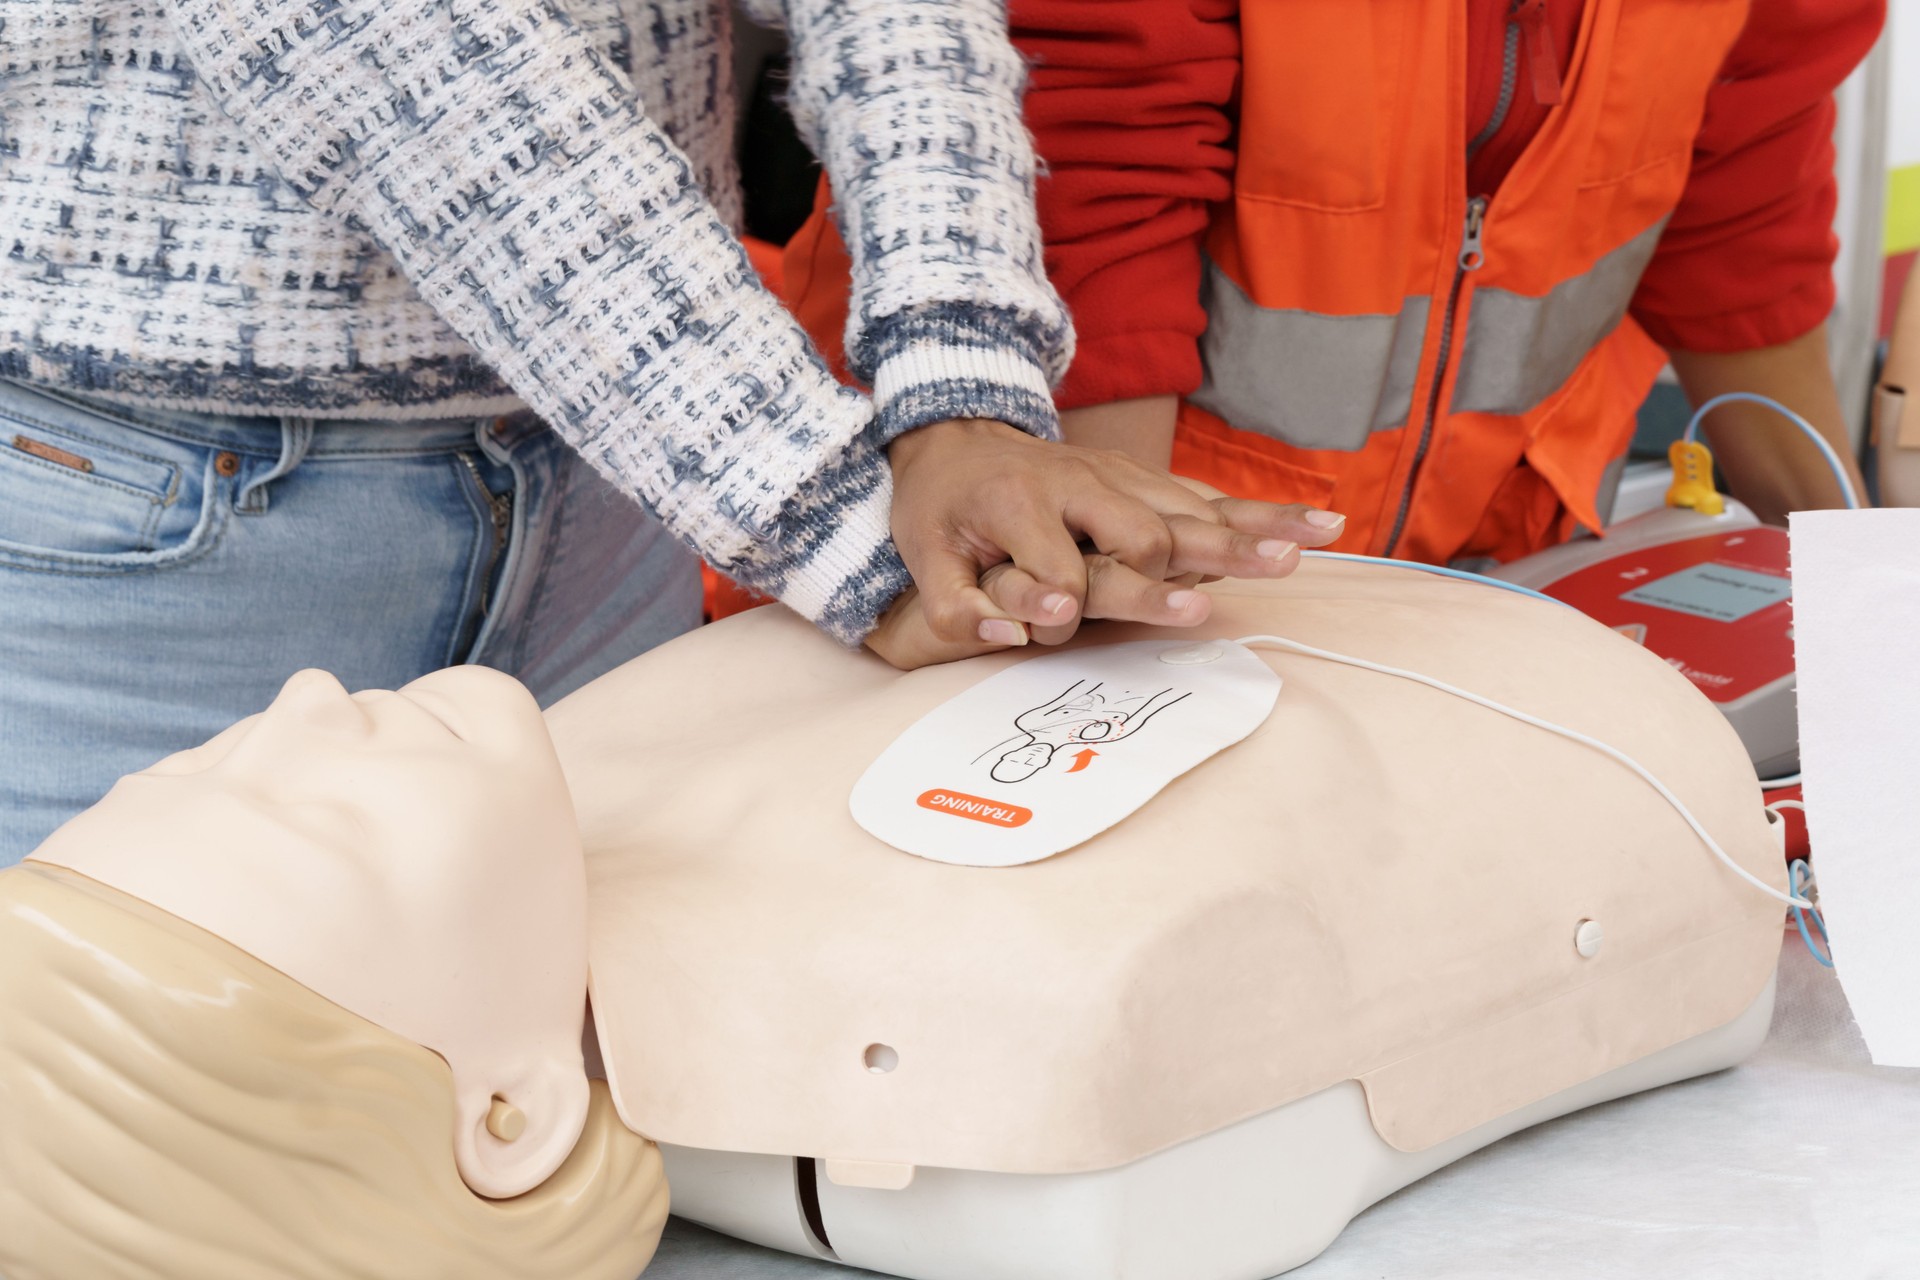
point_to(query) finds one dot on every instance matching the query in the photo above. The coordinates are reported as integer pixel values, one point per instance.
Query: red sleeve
(1747, 259)
(1128, 102)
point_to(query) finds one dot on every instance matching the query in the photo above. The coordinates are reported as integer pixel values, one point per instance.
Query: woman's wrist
(1141, 428)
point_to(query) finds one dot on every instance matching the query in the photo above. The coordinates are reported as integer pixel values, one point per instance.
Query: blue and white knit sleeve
(486, 145)
(914, 108)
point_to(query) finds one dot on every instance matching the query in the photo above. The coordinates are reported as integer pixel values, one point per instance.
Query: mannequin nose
(315, 700)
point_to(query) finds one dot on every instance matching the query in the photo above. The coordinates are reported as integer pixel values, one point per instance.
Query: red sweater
(1128, 102)
(1131, 105)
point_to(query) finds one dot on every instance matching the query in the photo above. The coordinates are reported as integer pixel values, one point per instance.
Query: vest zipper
(1530, 16)
(500, 507)
(1509, 76)
(1472, 257)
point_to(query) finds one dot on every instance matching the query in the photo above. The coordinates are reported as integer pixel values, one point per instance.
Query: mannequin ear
(510, 1138)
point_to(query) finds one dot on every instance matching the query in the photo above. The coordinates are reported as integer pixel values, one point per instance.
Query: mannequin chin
(172, 1106)
(411, 856)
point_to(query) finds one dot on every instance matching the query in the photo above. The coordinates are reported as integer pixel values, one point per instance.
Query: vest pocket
(1661, 57)
(1315, 99)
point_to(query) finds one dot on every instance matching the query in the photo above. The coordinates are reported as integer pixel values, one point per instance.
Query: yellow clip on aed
(1693, 479)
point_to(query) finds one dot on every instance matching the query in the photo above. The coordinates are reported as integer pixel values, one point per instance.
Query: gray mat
(1802, 1164)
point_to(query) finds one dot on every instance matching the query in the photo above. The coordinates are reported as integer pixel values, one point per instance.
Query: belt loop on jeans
(296, 437)
(499, 436)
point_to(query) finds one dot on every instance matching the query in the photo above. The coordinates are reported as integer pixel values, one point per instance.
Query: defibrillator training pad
(1044, 755)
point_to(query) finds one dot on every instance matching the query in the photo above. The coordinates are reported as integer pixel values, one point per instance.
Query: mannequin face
(411, 855)
(355, 773)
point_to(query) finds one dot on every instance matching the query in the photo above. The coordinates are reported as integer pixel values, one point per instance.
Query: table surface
(1802, 1163)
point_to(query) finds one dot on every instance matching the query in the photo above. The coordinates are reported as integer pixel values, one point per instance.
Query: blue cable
(1834, 464)
(1441, 571)
(1798, 874)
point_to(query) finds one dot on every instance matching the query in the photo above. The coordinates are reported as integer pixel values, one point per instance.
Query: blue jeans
(162, 573)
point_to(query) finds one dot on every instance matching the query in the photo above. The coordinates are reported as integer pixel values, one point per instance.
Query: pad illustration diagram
(1087, 713)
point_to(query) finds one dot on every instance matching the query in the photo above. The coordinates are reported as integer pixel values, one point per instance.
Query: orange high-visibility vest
(1457, 375)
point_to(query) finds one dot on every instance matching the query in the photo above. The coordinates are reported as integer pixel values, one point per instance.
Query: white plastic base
(1245, 1203)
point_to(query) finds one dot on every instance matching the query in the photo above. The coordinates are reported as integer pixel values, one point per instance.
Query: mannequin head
(173, 1106)
(411, 856)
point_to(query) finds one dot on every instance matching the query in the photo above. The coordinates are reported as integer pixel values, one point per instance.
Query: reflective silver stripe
(1609, 490)
(1520, 350)
(1312, 380)
(1321, 381)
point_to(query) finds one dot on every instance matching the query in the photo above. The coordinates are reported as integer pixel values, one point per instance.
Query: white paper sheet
(1856, 596)
(1052, 751)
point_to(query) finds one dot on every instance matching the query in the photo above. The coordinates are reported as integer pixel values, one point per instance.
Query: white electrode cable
(1706, 838)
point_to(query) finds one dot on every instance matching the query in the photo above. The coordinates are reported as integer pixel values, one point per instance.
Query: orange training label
(961, 805)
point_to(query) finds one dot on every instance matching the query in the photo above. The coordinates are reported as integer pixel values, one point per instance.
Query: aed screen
(1717, 591)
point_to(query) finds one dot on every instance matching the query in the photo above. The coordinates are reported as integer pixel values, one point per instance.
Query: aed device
(1711, 594)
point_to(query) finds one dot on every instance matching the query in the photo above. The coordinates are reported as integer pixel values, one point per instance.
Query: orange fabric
(1350, 199)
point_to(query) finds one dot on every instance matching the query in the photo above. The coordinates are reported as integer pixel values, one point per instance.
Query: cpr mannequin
(294, 1001)
(1384, 930)
(1329, 959)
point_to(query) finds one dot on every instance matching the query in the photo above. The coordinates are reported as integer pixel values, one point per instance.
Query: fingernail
(1181, 601)
(1058, 603)
(1002, 631)
(1275, 549)
(1324, 519)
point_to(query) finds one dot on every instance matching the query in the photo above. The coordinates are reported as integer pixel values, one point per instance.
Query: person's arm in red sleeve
(1129, 103)
(1740, 287)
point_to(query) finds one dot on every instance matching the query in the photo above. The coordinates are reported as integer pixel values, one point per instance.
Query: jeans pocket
(85, 491)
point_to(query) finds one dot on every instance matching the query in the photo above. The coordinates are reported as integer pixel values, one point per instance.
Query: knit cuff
(832, 560)
(958, 361)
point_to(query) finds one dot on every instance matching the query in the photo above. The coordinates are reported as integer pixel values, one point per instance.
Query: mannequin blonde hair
(172, 1107)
